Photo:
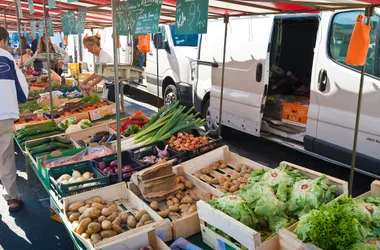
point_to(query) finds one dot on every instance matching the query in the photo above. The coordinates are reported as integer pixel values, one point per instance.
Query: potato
(178, 196)
(82, 227)
(234, 188)
(181, 179)
(242, 185)
(177, 179)
(183, 206)
(118, 229)
(189, 185)
(169, 197)
(74, 217)
(227, 185)
(187, 200)
(236, 182)
(89, 201)
(95, 238)
(117, 221)
(181, 186)
(164, 213)
(221, 179)
(109, 210)
(169, 203)
(124, 216)
(75, 206)
(221, 189)
(238, 168)
(174, 208)
(247, 176)
(101, 218)
(81, 209)
(131, 221)
(109, 203)
(197, 175)
(75, 225)
(154, 205)
(192, 209)
(185, 210)
(84, 235)
(234, 177)
(214, 197)
(112, 216)
(148, 222)
(97, 199)
(223, 166)
(214, 181)
(243, 180)
(214, 166)
(97, 206)
(93, 227)
(145, 218)
(68, 214)
(175, 200)
(108, 233)
(140, 224)
(106, 225)
(206, 170)
(91, 212)
(140, 214)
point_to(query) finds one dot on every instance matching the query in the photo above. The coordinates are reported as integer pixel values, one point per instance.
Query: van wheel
(213, 126)
(170, 95)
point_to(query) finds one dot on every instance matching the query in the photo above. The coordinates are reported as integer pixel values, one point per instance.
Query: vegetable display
(96, 219)
(345, 223)
(133, 124)
(30, 105)
(276, 198)
(36, 131)
(168, 121)
(48, 145)
(111, 168)
(185, 141)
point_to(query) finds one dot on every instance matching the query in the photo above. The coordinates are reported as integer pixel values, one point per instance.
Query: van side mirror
(157, 40)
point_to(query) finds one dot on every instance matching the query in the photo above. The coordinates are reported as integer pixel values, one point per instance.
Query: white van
(176, 62)
(273, 62)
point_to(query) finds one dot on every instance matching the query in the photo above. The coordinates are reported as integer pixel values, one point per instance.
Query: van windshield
(184, 40)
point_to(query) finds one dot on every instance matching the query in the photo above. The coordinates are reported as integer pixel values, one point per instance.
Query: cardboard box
(295, 113)
(54, 211)
(102, 112)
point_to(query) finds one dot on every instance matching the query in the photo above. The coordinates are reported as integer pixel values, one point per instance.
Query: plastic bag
(358, 47)
(144, 43)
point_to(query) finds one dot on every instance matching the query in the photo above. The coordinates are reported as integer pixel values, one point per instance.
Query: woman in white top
(53, 48)
(102, 57)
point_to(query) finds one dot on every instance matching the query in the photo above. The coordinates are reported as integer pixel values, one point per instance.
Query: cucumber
(40, 142)
(38, 136)
(62, 145)
(61, 140)
(48, 148)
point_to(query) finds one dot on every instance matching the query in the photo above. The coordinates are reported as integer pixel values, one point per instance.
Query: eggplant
(101, 134)
(111, 138)
(81, 143)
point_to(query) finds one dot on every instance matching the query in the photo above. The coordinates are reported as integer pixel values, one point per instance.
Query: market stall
(170, 176)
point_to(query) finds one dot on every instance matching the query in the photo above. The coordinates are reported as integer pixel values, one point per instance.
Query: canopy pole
(93, 57)
(369, 11)
(117, 88)
(80, 47)
(19, 35)
(5, 20)
(48, 59)
(226, 21)
(158, 78)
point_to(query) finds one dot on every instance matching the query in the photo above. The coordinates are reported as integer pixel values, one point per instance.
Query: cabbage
(279, 179)
(236, 207)
(310, 194)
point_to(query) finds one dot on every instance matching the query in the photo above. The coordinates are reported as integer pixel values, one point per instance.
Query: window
(340, 35)
(184, 40)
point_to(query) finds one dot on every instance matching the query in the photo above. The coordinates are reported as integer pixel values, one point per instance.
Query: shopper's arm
(31, 60)
(97, 80)
(63, 52)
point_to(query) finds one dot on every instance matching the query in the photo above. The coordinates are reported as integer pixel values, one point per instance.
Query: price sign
(191, 17)
(31, 7)
(122, 23)
(80, 21)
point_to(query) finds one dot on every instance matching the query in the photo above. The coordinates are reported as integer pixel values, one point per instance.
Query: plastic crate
(63, 190)
(126, 159)
(139, 153)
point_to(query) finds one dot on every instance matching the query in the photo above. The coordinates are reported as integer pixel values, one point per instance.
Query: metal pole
(158, 78)
(48, 58)
(19, 35)
(226, 20)
(117, 89)
(369, 12)
(93, 57)
(5, 20)
(80, 47)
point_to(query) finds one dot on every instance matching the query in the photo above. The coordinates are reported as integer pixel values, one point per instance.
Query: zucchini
(62, 145)
(38, 147)
(40, 131)
(48, 148)
(40, 142)
(38, 136)
(61, 140)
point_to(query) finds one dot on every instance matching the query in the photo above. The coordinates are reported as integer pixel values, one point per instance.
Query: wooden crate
(186, 225)
(194, 166)
(289, 240)
(137, 240)
(127, 200)
(248, 237)
(88, 133)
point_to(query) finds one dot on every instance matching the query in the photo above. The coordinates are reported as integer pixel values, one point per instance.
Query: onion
(107, 170)
(79, 179)
(65, 182)
(127, 168)
(65, 177)
(72, 180)
(102, 165)
(76, 174)
(113, 164)
(86, 175)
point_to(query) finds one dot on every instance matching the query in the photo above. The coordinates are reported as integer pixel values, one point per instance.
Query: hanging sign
(25, 32)
(19, 10)
(50, 26)
(80, 21)
(68, 22)
(31, 7)
(41, 28)
(33, 28)
(122, 23)
(72, 1)
(51, 4)
(191, 17)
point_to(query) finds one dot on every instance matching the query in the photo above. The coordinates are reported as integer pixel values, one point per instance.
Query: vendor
(53, 48)
(102, 57)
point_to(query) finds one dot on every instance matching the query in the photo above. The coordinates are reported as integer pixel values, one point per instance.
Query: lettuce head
(236, 207)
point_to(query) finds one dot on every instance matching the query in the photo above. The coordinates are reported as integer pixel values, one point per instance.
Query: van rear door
(246, 71)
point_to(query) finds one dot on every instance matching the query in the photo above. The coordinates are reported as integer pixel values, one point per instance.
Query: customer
(53, 48)
(34, 41)
(14, 90)
(102, 57)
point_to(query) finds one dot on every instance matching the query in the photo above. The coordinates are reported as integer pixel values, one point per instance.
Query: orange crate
(295, 113)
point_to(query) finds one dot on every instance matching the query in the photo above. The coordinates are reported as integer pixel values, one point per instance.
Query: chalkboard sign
(41, 26)
(68, 22)
(138, 17)
(50, 26)
(80, 21)
(31, 7)
(33, 28)
(191, 16)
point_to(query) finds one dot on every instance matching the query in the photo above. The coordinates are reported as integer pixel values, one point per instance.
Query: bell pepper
(138, 116)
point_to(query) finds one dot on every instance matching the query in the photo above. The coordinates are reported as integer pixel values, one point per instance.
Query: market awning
(99, 11)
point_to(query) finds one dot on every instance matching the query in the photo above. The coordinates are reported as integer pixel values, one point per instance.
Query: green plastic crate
(44, 172)
(63, 190)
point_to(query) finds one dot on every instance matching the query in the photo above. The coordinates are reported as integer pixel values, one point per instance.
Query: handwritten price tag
(191, 16)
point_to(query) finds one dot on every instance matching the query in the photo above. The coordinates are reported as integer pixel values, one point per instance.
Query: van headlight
(193, 68)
